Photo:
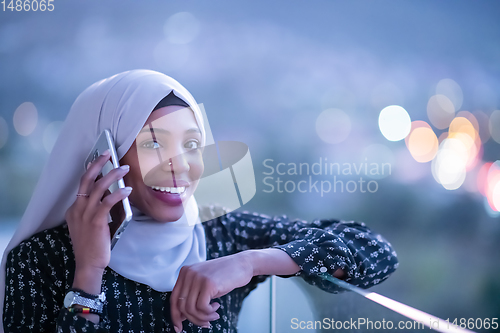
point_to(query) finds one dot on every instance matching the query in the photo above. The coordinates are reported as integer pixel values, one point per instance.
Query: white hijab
(148, 252)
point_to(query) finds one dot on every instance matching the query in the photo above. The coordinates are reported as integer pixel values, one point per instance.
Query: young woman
(164, 274)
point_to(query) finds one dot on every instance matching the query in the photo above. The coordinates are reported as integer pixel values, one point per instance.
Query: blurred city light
(449, 165)
(494, 125)
(462, 129)
(422, 142)
(394, 123)
(25, 118)
(482, 177)
(181, 28)
(483, 122)
(493, 186)
(452, 90)
(333, 125)
(440, 111)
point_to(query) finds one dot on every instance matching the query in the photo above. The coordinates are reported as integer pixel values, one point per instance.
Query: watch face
(68, 300)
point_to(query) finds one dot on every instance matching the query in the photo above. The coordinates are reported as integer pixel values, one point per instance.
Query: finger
(88, 178)
(190, 310)
(104, 208)
(187, 294)
(200, 317)
(183, 291)
(203, 304)
(175, 313)
(102, 185)
(215, 306)
(110, 200)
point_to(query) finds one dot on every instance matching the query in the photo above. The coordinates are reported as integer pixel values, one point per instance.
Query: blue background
(264, 72)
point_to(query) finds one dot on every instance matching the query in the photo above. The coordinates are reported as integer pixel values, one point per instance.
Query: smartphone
(124, 212)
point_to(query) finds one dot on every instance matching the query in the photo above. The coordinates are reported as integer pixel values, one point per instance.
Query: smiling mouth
(173, 190)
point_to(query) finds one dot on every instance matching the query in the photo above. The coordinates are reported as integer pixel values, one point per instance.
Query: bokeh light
(442, 136)
(494, 125)
(493, 185)
(484, 125)
(462, 129)
(496, 196)
(422, 142)
(4, 132)
(482, 177)
(50, 134)
(333, 125)
(181, 28)
(394, 123)
(452, 90)
(461, 125)
(440, 111)
(491, 212)
(471, 118)
(25, 118)
(449, 165)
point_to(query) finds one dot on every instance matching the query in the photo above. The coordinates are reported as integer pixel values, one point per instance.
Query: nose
(177, 164)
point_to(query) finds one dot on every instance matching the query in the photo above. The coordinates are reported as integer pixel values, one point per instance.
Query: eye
(151, 145)
(192, 144)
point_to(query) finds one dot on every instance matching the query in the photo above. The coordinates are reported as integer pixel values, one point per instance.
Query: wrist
(88, 280)
(270, 261)
(251, 259)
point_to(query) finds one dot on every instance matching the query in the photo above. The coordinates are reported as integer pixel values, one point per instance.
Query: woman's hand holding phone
(88, 225)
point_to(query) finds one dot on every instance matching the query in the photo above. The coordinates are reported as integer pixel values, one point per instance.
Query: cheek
(147, 162)
(133, 177)
(196, 167)
(196, 170)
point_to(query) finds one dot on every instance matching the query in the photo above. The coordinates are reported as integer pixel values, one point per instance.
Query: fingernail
(177, 330)
(89, 164)
(128, 189)
(125, 167)
(106, 152)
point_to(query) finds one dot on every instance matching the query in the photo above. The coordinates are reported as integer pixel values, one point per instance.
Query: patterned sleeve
(34, 293)
(322, 246)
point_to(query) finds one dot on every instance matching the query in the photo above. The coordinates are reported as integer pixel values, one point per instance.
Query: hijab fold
(148, 251)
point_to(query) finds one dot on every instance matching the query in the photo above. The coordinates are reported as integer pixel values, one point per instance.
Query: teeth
(178, 190)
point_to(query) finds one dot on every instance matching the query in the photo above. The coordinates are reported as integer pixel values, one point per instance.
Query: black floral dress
(40, 271)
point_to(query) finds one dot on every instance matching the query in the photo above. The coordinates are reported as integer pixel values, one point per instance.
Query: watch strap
(82, 293)
(90, 303)
(83, 298)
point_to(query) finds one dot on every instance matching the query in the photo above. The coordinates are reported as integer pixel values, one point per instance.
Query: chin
(173, 214)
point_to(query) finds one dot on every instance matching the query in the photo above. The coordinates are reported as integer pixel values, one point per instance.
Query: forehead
(171, 115)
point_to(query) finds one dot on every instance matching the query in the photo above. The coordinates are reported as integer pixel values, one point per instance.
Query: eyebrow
(164, 131)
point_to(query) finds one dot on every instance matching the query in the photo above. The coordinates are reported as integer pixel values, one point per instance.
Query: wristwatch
(80, 297)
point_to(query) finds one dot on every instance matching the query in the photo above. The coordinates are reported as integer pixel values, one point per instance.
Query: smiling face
(165, 163)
